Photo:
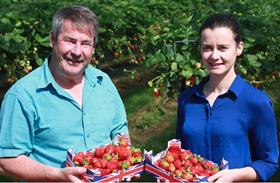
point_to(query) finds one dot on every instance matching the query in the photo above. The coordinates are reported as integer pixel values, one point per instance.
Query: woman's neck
(220, 84)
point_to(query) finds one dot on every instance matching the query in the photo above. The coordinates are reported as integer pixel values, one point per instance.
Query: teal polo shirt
(41, 120)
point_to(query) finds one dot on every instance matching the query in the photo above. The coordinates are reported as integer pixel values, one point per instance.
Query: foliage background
(156, 33)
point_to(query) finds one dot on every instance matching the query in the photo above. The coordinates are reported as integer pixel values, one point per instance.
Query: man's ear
(240, 48)
(51, 39)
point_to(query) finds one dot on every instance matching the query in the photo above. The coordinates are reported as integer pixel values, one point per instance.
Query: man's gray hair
(81, 17)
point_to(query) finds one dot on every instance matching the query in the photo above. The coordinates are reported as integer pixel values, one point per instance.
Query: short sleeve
(120, 124)
(16, 129)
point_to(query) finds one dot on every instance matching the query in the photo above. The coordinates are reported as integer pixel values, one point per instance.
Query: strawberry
(214, 170)
(169, 157)
(178, 173)
(136, 152)
(104, 171)
(107, 156)
(171, 168)
(110, 149)
(98, 152)
(111, 166)
(88, 166)
(177, 163)
(79, 158)
(163, 164)
(157, 92)
(194, 160)
(136, 160)
(188, 176)
(209, 165)
(174, 148)
(97, 164)
(122, 152)
(184, 155)
(125, 164)
(124, 142)
(103, 163)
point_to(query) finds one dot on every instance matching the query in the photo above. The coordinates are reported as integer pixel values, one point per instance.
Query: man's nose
(77, 49)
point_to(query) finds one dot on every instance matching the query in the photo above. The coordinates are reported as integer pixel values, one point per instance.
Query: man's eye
(69, 41)
(87, 44)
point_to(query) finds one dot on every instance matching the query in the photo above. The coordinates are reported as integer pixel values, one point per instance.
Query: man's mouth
(74, 62)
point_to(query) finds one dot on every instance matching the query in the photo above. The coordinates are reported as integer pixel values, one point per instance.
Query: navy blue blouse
(240, 127)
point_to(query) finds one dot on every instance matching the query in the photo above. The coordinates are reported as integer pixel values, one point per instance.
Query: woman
(224, 117)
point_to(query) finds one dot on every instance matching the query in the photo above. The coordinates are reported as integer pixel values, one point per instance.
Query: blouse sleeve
(263, 139)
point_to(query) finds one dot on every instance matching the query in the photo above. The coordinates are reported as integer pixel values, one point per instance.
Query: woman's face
(219, 50)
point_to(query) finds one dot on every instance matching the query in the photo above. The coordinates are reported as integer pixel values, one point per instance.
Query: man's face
(72, 51)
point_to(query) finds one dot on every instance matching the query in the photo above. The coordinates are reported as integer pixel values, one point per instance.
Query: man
(64, 103)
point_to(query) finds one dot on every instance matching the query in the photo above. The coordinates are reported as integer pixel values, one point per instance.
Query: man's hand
(72, 174)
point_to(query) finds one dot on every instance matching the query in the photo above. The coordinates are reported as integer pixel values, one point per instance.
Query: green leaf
(187, 73)
(252, 60)
(44, 41)
(174, 66)
(242, 69)
(179, 57)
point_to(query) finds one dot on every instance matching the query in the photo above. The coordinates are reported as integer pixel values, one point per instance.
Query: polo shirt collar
(47, 78)
(235, 88)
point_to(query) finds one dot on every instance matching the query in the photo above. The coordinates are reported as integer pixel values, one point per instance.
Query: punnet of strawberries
(110, 158)
(184, 164)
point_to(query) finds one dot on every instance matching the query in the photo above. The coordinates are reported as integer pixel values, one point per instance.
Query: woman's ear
(51, 39)
(240, 48)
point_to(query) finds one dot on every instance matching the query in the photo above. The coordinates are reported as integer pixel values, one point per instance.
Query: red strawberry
(136, 152)
(122, 152)
(79, 158)
(98, 164)
(104, 171)
(178, 173)
(107, 156)
(174, 148)
(177, 163)
(194, 160)
(214, 170)
(110, 149)
(125, 164)
(88, 166)
(163, 164)
(136, 160)
(171, 167)
(209, 165)
(103, 163)
(188, 176)
(98, 152)
(184, 155)
(111, 166)
(157, 92)
(124, 142)
(169, 157)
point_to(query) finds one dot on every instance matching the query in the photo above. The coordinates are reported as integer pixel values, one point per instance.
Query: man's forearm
(24, 168)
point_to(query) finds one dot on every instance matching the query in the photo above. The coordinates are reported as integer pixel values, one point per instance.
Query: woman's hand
(233, 175)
